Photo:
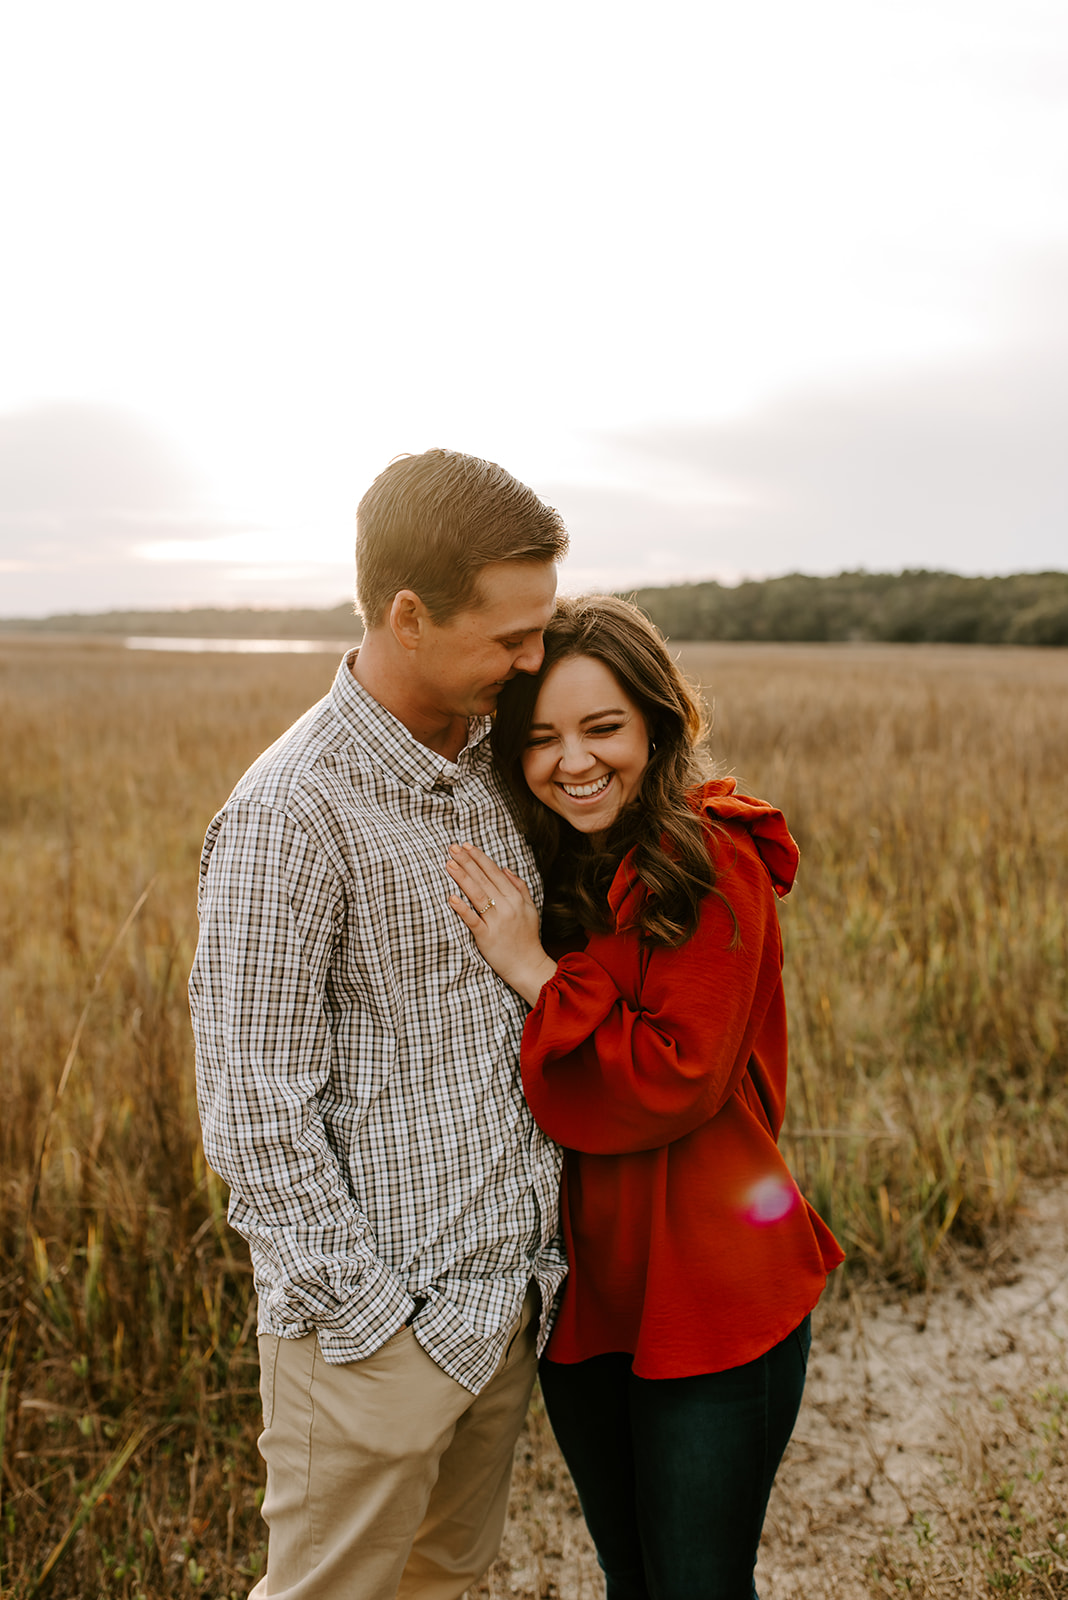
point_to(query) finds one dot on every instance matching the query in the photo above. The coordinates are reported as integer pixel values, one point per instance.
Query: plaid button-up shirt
(357, 1060)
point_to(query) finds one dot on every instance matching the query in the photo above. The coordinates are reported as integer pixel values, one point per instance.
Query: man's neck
(374, 670)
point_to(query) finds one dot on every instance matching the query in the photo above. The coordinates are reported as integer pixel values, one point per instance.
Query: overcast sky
(742, 289)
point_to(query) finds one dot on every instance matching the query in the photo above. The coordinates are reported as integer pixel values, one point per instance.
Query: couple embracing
(491, 1051)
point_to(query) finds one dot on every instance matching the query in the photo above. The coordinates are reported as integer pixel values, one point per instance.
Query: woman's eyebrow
(609, 711)
(594, 716)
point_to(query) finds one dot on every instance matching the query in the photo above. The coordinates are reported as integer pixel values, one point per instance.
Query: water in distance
(240, 646)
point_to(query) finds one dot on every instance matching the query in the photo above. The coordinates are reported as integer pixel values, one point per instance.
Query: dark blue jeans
(674, 1474)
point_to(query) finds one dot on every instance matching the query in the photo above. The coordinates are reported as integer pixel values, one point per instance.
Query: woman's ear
(408, 617)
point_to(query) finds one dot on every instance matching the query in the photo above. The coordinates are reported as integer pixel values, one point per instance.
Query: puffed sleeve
(630, 1048)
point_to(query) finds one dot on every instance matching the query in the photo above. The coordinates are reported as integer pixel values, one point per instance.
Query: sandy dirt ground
(929, 1458)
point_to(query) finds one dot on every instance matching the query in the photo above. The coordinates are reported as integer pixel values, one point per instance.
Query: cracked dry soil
(929, 1458)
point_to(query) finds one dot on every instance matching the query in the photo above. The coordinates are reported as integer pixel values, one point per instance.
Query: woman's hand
(502, 917)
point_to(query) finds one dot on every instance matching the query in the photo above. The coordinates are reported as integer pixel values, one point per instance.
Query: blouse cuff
(571, 1006)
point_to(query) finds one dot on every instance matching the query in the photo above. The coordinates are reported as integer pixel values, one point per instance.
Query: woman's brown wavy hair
(667, 838)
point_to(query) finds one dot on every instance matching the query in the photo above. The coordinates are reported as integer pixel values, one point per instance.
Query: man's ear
(408, 619)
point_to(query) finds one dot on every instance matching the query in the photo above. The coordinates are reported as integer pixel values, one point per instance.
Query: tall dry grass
(126, 1295)
(927, 940)
(928, 969)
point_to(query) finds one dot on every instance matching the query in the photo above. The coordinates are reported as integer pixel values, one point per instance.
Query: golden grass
(927, 940)
(927, 959)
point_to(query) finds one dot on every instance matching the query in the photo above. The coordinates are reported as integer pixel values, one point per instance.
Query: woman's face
(587, 747)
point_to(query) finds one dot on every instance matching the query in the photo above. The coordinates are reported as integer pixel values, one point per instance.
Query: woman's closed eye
(602, 730)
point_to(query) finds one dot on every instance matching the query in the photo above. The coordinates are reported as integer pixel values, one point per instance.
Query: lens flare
(770, 1200)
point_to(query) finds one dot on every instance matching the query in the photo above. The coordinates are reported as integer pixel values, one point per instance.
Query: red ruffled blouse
(663, 1074)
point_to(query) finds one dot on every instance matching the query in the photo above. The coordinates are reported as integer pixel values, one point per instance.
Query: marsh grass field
(927, 977)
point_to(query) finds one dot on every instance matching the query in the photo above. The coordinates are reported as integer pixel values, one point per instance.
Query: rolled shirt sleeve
(270, 906)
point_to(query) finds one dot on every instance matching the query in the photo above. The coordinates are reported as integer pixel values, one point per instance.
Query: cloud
(98, 511)
(79, 483)
(959, 466)
(85, 484)
(956, 465)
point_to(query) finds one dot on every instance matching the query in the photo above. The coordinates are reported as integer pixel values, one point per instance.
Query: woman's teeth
(582, 791)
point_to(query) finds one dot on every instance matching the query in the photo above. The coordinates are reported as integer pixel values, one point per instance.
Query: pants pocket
(268, 1344)
(802, 1335)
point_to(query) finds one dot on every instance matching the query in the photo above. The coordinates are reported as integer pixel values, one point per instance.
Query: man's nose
(531, 655)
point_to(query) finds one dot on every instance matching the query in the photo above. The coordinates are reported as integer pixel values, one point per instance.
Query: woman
(655, 1053)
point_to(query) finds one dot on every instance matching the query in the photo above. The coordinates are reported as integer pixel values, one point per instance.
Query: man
(357, 1061)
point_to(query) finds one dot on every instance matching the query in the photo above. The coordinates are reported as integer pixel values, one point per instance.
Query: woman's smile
(585, 790)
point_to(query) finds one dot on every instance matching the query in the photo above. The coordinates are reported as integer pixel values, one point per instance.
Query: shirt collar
(390, 742)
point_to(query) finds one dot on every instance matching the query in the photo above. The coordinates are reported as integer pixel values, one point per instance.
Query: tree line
(911, 607)
(203, 622)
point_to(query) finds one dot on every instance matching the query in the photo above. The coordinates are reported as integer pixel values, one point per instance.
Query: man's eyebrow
(518, 632)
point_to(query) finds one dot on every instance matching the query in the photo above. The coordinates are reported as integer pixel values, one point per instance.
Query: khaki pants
(386, 1480)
